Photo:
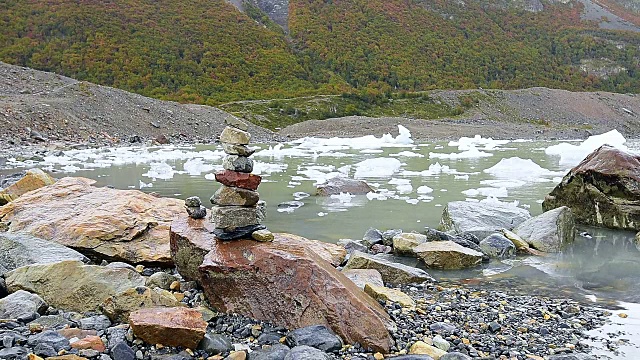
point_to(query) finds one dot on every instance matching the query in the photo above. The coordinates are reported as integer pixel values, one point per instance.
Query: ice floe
(571, 155)
(515, 168)
(377, 167)
(467, 143)
(471, 153)
(487, 191)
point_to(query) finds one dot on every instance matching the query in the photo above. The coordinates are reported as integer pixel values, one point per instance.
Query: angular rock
(382, 293)
(317, 336)
(18, 250)
(118, 307)
(420, 347)
(125, 225)
(231, 135)
(224, 217)
(274, 352)
(372, 236)
(161, 279)
(45, 350)
(21, 304)
(304, 352)
(603, 190)
(71, 333)
(50, 337)
(361, 277)
(337, 185)
(498, 246)
(234, 196)
(481, 219)
(32, 179)
(455, 356)
(3, 288)
(14, 353)
(403, 244)
(392, 273)
(237, 163)
(236, 123)
(169, 326)
(197, 212)
(243, 232)
(242, 150)
(52, 321)
(89, 342)
(99, 322)
(122, 351)
(192, 201)
(413, 357)
(447, 255)
(550, 231)
(284, 281)
(465, 239)
(380, 249)
(262, 235)
(519, 243)
(214, 344)
(238, 179)
(388, 235)
(577, 356)
(62, 284)
(353, 245)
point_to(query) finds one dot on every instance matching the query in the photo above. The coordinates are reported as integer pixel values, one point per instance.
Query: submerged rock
(549, 232)
(62, 284)
(392, 273)
(18, 250)
(337, 185)
(284, 281)
(121, 225)
(32, 179)
(481, 219)
(603, 190)
(447, 255)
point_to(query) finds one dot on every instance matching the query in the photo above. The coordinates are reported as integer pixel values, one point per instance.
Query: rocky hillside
(61, 108)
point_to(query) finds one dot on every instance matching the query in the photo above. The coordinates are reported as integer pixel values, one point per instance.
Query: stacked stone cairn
(194, 207)
(237, 211)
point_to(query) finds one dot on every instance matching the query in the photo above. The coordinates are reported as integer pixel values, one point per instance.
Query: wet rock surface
(481, 219)
(551, 231)
(337, 185)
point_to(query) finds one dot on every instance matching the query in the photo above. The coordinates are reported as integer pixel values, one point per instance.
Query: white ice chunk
(487, 191)
(504, 183)
(424, 190)
(407, 154)
(143, 185)
(515, 168)
(377, 167)
(571, 155)
(196, 167)
(160, 170)
(467, 143)
(471, 153)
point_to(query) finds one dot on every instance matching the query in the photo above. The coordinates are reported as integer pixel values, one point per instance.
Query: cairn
(237, 211)
(194, 207)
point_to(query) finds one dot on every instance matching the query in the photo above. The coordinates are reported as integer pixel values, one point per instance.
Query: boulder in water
(337, 185)
(447, 255)
(550, 231)
(498, 246)
(603, 190)
(481, 218)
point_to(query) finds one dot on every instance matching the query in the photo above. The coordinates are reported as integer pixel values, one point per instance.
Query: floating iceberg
(467, 143)
(471, 153)
(160, 170)
(571, 155)
(487, 191)
(197, 167)
(515, 168)
(378, 167)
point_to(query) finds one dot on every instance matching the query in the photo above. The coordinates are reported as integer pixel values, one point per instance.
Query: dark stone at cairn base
(239, 233)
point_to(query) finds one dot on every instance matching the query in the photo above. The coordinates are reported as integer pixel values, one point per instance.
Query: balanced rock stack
(237, 211)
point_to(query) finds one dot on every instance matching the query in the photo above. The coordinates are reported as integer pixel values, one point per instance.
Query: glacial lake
(413, 181)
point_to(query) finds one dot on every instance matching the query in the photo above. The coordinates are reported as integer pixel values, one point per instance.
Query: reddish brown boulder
(284, 281)
(124, 225)
(90, 342)
(238, 179)
(603, 190)
(176, 326)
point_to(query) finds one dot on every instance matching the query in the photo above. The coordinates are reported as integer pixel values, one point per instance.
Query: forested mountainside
(213, 51)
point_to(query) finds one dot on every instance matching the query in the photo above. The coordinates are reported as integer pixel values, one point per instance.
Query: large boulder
(403, 244)
(15, 186)
(177, 326)
(118, 307)
(549, 232)
(392, 272)
(125, 225)
(18, 250)
(447, 255)
(481, 218)
(603, 190)
(71, 285)
(337, 185)
(284, 281)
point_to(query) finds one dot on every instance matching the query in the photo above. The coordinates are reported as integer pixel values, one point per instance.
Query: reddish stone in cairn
(238, 179)
(175, 326)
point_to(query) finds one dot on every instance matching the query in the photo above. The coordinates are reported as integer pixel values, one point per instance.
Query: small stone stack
(237, 211)
(194, 207)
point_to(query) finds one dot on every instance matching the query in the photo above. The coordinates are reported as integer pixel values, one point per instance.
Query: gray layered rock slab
(274, 352)
(304, 352)
(480, 218)
(62, 284)
(391, 272)
(236, 123)
(603, 190)
(232, 135)
(125, 225)
(353, 245)
(235, 196)
(498, 246)
(21, 304)
(317, 336)
(237, 163)
(447, 255)
(550, 231)
(337, 185)
(18, 250)
(361, 277)
(233, 149)
(285, 282)
(234, 216)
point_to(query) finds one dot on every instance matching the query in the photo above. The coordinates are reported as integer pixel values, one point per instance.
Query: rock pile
(237, 211)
